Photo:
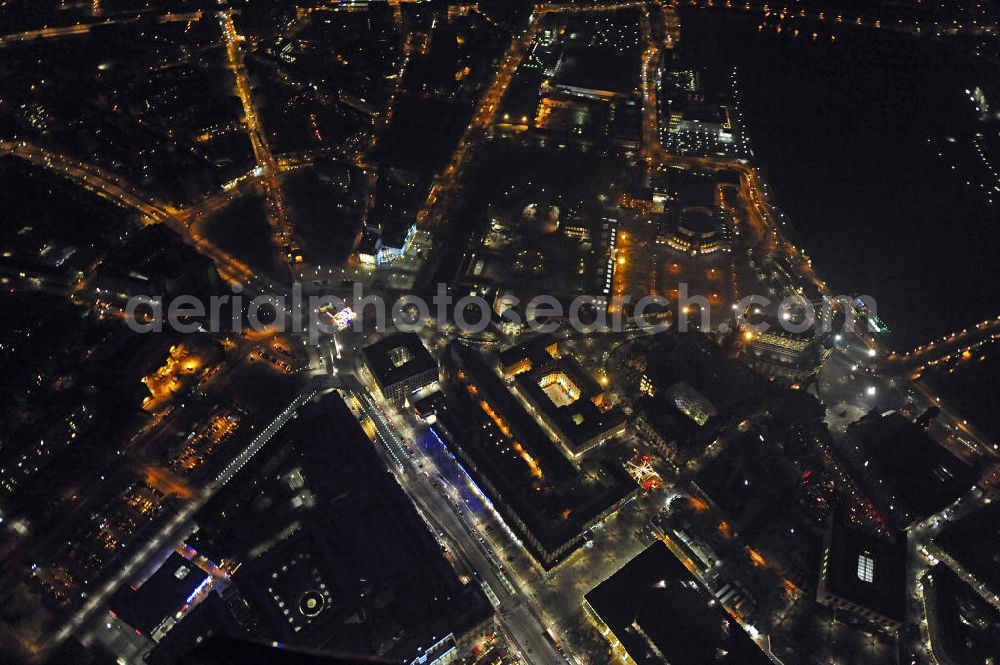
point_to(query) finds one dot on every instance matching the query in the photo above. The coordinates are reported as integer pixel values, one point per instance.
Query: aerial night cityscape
(580, 332)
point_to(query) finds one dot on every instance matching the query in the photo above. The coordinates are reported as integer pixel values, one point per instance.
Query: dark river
(867, 143)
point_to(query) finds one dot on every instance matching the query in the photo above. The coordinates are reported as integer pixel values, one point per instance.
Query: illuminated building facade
(549, 502)
(569, 404)
(696, 232)
(687, 210)
(783, 354)
(400, 365)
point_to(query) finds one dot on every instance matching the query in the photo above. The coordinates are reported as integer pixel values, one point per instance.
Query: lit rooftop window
(399, 356)
(866, 567)
(559, 388)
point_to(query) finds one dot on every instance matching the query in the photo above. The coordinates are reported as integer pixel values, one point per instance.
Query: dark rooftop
(868, 570)
(687, 188)
(663, 416)
(144, 606)
(696, 108)
(327, 534)
(210, 617)
(974, 542)
(653, 602)
(752, 483)
(915, 471)
(398, 357)
(964, 626)
(593, 68)
(697, 220)
(537, 350)
(692, 358)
